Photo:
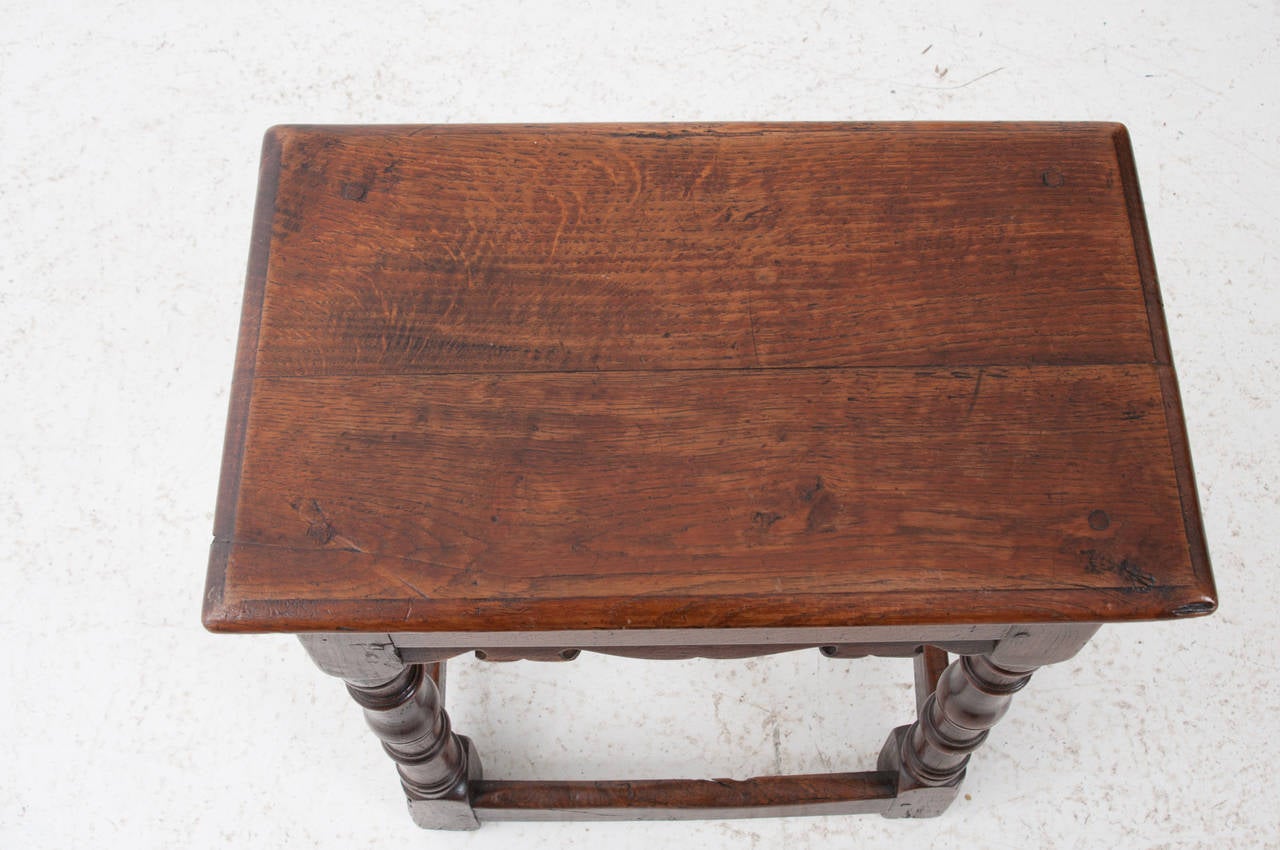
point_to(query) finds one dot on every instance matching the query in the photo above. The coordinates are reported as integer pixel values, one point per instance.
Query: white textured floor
(129, 137)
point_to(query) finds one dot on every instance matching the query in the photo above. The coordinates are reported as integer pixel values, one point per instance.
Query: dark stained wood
(677, 799)
(703, 376)
(1197, 550)
(930, 756)
(246, 360)
(930, 663)
(437, 672)
(920, 767)
(953, 637)
(677, 651)
(563, 248)
(532, 490)
(436, 766)
(715, 390)
(504, 653)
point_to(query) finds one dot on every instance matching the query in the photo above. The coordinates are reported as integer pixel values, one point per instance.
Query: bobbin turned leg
(404, 706)
(435, 765)
(930, 755)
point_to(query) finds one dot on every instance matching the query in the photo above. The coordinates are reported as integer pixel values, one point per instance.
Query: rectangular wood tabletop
(702, 376)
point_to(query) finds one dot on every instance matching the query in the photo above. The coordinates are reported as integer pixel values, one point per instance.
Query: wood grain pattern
(246, 360)
(564, 249)
(589, 377)
(1191, 516)
(869, 792)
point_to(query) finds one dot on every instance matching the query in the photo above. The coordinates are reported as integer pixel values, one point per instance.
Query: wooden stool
(714, 390)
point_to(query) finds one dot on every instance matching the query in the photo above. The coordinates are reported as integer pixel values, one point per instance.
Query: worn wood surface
(930, 662)
(435, 765)
(490, 652)
(736, 376)
(965, 699)
(679, 799)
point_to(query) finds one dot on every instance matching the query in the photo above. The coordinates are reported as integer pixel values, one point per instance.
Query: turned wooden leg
(436, 766)
(930, 755)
